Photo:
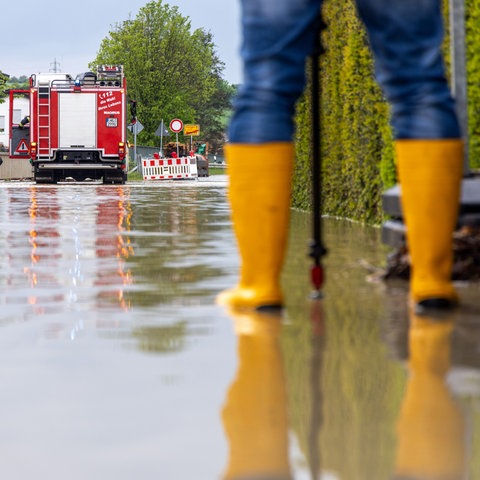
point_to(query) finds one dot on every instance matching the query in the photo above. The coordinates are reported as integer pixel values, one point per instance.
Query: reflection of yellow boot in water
(430, 427)
(255, 413)
(259, 193)
(430, 174)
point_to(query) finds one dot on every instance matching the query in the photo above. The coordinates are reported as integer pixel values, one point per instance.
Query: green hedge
(357, 151)
(473, 75)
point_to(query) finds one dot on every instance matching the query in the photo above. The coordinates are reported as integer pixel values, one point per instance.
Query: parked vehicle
(202, 166)
(78, 126)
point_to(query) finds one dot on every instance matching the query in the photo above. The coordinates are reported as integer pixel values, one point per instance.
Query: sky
(37, 34)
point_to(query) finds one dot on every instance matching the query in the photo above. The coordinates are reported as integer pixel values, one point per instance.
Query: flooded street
(115, 362)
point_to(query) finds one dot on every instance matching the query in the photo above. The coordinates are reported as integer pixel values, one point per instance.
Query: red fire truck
(78, 126)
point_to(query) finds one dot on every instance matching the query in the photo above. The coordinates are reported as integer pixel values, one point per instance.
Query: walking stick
(317, 249)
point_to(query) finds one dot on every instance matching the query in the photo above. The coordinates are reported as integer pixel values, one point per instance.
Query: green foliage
(3, 81)
(22, 82)
(473, 75)
(11, 83)
(171, 71)
(472, 37)
(301, 194)
(357, 158)
(213, 113)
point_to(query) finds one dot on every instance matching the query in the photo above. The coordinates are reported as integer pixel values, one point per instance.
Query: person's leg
(278, 35)
(406, 38)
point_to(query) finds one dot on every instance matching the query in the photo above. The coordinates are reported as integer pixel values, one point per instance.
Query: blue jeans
(405, 37)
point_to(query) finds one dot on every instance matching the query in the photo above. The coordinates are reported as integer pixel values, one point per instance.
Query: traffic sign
(176, 125)
(162, 131)
(136, 127)
(192, 130)
(22, 147)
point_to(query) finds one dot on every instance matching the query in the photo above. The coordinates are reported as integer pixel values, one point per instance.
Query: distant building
(20, 110)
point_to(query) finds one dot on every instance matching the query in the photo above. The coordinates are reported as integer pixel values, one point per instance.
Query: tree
(3, 80)
(213, 112)
(171, 71)
(11, 83)
(20, 83)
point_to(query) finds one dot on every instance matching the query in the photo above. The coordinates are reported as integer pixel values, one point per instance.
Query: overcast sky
(36, 33)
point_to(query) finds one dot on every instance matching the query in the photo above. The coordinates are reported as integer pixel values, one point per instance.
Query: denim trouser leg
(406, 38)
(405, 35)
(278, 36)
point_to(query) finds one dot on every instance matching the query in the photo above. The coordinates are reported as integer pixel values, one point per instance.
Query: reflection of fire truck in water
(82, 269)
(78, 126)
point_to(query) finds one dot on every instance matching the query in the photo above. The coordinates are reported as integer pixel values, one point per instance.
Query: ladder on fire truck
(43, 122)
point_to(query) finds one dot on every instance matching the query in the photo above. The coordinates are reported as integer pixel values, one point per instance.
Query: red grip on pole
(317, 276)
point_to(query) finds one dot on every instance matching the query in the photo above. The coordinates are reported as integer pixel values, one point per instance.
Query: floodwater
(115, 362)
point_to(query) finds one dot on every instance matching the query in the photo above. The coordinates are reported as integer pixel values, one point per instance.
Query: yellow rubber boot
(430, 173)
(259, 194)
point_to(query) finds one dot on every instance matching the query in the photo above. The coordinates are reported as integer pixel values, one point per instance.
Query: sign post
(136, 127)
(191, 130)
(160, 132)
(176, 126)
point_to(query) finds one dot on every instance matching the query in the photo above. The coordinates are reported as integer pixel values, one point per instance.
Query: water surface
(116, 362)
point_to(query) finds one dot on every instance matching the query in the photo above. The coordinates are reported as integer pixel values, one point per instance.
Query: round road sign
(176, 125)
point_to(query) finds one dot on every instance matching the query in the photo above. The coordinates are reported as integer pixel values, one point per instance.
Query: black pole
(317, 249)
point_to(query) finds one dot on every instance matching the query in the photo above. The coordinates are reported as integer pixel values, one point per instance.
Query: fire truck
(78, 126)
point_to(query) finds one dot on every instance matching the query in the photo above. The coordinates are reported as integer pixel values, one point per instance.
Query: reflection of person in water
(430, 426)
(255, 413)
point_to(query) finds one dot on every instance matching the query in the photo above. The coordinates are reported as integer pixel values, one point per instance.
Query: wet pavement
(116, 363)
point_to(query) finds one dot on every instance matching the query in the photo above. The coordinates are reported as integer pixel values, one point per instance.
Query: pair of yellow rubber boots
(430, 173)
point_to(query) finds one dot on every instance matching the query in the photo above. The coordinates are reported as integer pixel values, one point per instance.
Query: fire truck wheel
(45, 177)
(114, 178)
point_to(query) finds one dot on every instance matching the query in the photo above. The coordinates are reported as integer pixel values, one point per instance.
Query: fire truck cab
(78, 127)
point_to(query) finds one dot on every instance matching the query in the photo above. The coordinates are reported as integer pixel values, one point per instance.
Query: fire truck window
(17, 116)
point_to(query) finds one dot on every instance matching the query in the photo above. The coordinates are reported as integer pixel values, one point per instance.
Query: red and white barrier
(169, 168)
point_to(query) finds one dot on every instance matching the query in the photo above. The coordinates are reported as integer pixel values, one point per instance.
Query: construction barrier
(169, 168)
